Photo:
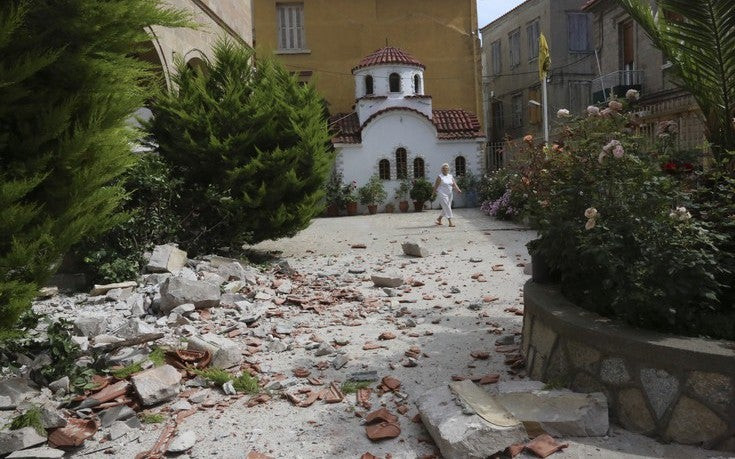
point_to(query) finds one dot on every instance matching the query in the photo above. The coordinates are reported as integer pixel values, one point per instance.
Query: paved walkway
(433, 317)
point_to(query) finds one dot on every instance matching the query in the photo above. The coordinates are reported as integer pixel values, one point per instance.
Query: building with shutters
(511, 84)
(320, 40)
(629, 60)
(395, 132)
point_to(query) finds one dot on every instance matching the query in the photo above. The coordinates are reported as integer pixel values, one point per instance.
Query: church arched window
(395, 82)
(417, 84)
(368, 85)
(418, 168)
(460, 166)
(384, 169)
(401, 164)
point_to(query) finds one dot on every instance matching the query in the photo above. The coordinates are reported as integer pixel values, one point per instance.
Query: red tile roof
(346, 128)
(457, 124)
(388, 55)
(449, 124)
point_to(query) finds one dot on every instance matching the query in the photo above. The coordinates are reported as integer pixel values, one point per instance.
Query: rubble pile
(206, 335)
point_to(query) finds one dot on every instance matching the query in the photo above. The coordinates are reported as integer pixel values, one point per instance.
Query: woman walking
(443, 187)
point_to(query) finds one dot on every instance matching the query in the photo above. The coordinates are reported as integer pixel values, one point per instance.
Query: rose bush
(618, 232)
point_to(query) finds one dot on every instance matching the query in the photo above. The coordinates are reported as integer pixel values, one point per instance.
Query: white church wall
(393, 130)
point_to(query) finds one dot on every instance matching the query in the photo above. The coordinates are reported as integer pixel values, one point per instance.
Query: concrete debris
(413, 249)
(23, 438)
(166, 258)
(183, 441)
(176, 291)
(157, 384)
(103, 289)
(42, 452)
(559, 413)
(225, 352)
(116, 413)
(90, 326)
(461, 435)
(387, 280)
(14, 391)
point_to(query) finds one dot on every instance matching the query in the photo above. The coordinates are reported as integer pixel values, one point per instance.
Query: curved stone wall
(673, 388)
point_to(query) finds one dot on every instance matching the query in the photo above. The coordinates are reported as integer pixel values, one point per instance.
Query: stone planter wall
(673, 388)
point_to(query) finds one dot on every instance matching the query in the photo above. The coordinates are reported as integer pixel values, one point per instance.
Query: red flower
(688, 167)
(669, 167)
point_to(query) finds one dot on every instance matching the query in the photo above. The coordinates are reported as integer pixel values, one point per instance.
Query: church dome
(386, 56)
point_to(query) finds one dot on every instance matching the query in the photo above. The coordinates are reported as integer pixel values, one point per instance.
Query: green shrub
(151, 195)
(372, 193)
(250, 146)
(422, 190)
(31, 418)
(615, 229)
(68, 83)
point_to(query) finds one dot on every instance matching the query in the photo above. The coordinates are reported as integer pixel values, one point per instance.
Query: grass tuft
(157, 356)
(350, 387)
(31, 418)
(126, 372)
(151, 418)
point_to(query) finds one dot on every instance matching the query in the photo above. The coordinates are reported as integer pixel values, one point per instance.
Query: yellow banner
(544, 58)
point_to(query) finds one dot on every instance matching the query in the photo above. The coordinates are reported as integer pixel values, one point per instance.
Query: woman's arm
(437, 182)
(454, 185)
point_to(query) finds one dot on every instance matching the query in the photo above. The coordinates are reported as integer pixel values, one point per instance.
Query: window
(395, 82)
(384, 169)
(497, 58)
(578, 26)
(368, 85)
(579, 95)
(416, 84)
(498, 121)
(534, 111)
(291, 26)
(460, 166)
(533, 33)
(516, 107)
(514, 43)
(401, 164)
(418, 168)
(627, 45)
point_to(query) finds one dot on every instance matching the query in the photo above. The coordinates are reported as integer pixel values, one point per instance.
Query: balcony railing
(617, 83)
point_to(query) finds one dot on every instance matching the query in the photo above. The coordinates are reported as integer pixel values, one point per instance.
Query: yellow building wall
(441, 34)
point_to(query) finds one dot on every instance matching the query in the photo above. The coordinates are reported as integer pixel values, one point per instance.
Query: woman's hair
(445, 165)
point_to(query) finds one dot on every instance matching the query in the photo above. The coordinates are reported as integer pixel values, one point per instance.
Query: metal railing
(624, 78)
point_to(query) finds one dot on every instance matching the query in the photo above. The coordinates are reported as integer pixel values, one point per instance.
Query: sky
(489, 10)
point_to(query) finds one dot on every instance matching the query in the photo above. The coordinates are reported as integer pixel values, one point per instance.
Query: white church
(396, 133)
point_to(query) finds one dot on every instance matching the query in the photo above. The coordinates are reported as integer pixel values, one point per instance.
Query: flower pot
(418, 206)
(541, 273)
(351, 208)
(403, 206)
(372, 208)
(332, 210)
(389, 208)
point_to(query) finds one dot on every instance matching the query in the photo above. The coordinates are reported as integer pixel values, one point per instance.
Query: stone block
(14, 391)
(157, 384)
(42, 452)
(614, 371)
(582, 356)
(133, 328)
(661, 389)
(116, 413)
(90, 326)
(413, 249)
(693, 423)
(166, 258)
(526, 335)
(176, 291)
(633, 412)
(183, 441)
(225, 352)
(458, 435)
(14, 440)
(251, 312)
(51, 418)
(713, 388)
(103, 289)
(559, 413)
(586, 383)
(558, 368)
(387, 280)
(234, 271)
(542, 338)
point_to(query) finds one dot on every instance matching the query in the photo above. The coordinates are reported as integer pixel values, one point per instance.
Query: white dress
(445, 194)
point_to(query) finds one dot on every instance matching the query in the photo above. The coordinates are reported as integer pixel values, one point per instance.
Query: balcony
(618, 83)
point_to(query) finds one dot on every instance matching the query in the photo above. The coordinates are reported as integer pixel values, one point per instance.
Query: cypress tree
(69, 80)
(251, 146)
